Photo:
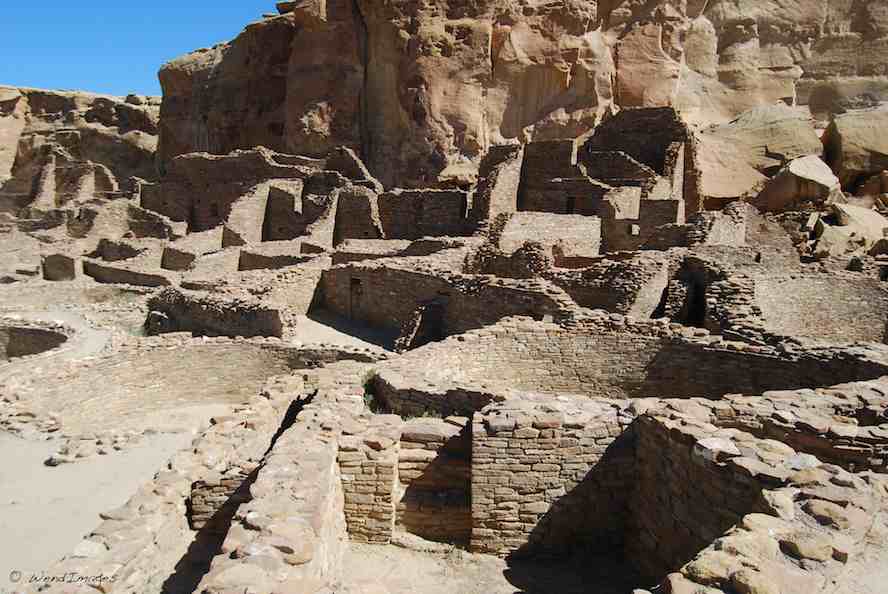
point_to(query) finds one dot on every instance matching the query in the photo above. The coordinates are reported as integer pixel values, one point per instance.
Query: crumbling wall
(387, 296)
(499, 179)
(201, 313)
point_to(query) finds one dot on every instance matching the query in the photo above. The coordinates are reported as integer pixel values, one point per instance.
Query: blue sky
(109, 46)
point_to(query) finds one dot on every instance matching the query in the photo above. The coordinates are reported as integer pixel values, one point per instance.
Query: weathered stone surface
(803, 180)
(855, 146)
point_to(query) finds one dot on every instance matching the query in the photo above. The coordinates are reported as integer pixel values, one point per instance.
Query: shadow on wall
(436, 504)
(680, 370)
(591, 518)
(208, 541)
(582, 536)
(21, 341)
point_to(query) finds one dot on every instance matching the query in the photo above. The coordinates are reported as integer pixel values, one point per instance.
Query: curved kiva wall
(19, 339)
(603, 356)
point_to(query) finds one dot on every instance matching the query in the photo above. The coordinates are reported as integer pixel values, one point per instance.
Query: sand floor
(369, 569)
(44, 512)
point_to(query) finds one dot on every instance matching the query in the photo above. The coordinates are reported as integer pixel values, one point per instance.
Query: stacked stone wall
(548, 482)
(386, 296)
(202, 314)
(412, 214)
(368, 463)
(499, 179)
(606, 356)
(835, 309)
(682, 500)
(434, 468)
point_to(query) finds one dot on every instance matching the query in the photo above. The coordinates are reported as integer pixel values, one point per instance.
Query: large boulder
(807, 179)
(848, 230)
(735, 158)
(856, 145)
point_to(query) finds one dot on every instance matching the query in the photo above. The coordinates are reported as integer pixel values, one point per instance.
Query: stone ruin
(636, 318)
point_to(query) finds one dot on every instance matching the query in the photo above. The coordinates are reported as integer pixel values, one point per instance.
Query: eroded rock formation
(423, 90)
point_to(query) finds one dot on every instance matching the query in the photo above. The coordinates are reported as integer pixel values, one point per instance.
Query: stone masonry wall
(412, 214)
(609, 356)
(203, 313)
(831, 308)
(386, 296)
(685, 495)
(499, 178)
(550, 480)
(434, 466)
(368, 463)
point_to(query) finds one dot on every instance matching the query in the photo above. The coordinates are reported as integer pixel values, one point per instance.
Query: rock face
(736, 156)
(423, 90)
(856, 145)
(62, 147)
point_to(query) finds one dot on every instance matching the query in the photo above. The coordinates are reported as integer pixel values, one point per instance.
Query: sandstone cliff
(421, 90)
(60, 147)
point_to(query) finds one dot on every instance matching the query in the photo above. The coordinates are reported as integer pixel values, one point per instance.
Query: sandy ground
(375, 569)
(44, 512)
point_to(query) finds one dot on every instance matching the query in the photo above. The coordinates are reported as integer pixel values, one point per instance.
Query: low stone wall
(273, 255)
(124, 275)
(550, 476)
(845, 425)
(203, 313)
(728, 513)
(141, 543)
(21, 339)
(605, 355)
(294, 523)
(216, 497)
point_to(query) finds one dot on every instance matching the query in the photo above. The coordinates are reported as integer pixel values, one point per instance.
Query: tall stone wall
(434, 466)
(413, 214)
(547, 482)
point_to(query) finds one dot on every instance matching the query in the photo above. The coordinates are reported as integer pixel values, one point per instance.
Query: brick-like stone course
(550, 478)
